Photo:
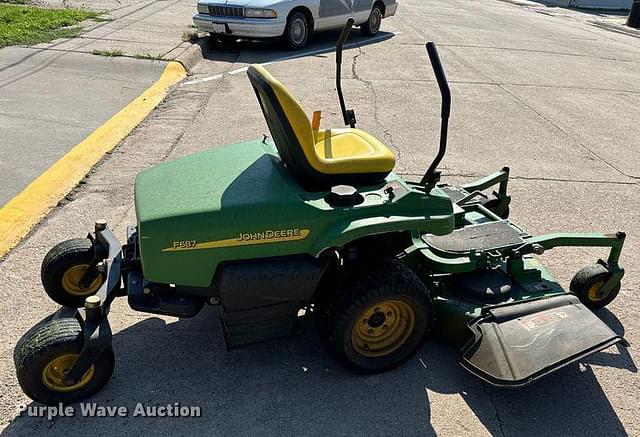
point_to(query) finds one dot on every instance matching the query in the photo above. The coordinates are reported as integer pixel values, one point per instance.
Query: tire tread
(47, 336)
(363, 284)
(585, 278)
(58, 259)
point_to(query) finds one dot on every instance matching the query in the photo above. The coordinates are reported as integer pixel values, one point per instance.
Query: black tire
(498, 207)
(382, 283)
(298, 31)
(585, 285)
(226, 41)
(372, 25)
(53, 339)
(62, 264)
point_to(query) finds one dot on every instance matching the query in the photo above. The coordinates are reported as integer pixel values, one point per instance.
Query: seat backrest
(289, 125)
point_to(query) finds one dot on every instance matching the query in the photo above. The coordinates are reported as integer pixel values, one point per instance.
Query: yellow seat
(351, 151)
(323, 158)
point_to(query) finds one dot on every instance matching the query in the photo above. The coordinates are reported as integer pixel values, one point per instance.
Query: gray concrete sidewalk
(53, 95)
(51, 102)
(138, 28)
(551, 96)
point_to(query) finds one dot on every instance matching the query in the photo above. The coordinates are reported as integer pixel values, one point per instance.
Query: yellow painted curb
(26, 209)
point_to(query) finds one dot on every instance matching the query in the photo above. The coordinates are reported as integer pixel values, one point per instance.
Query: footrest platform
(484, 236)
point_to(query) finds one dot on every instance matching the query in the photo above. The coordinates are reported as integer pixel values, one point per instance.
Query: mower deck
(517, 343)
(523, 324)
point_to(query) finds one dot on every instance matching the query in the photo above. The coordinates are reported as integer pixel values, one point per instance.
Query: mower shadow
(568, 402)
(621, 360)
(259, 52)
(291, 387)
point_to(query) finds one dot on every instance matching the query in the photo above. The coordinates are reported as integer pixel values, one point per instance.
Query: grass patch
(102, 19)
(157, 57)
(109, 53)
(29, 25)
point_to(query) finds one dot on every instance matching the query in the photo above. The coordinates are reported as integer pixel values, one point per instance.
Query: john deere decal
(243, 239)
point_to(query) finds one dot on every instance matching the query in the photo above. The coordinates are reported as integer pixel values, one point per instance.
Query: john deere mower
(315, 219)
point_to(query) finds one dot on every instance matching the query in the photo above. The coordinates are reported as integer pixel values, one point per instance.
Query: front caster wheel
(63, 269)
(587, 285)
(47, 351)
(378, 319)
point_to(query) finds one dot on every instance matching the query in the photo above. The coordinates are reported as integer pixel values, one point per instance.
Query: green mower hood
(240, 202)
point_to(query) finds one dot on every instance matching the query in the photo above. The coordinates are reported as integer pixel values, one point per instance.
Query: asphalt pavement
(538, 89)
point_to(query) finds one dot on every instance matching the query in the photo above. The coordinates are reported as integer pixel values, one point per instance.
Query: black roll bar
(348, 115)
(432, 176)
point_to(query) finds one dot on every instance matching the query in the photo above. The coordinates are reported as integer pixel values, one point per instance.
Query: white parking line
(204, 79)
(287, 58)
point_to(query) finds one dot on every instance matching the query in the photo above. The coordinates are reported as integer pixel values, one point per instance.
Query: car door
(333, 13)
(361, 10)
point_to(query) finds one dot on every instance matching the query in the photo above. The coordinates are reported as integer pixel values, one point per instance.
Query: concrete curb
(20, 214)
(194, 53)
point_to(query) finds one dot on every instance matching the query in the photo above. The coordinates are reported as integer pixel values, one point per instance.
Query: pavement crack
(528, 50)
(462, 174)
(174, 143)
(583, 181)
(206, 96)
(511, 84)
(178, 139)
(567, 134)
(495, 408)
(539, 114)
(42, 119)
(544, 117)
(124, 216)
(387, 134)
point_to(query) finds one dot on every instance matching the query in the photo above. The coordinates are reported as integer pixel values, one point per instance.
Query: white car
(294, 20)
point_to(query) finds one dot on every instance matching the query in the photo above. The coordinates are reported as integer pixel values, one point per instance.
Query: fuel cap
(344, 195)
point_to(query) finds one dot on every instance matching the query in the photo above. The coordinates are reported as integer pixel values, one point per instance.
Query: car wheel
(297, 31)
(224, 40)
(372, 26)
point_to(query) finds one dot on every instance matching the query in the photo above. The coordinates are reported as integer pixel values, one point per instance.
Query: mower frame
(435, 259)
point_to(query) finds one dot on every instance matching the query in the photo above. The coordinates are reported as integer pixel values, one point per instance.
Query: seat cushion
(318, 160)
(351, 151)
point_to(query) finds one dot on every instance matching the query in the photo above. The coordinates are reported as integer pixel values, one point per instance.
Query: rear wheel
(46, 352)
(297, 31)
(372, 25)
(377, 319)
(63, 269)
(587, 285)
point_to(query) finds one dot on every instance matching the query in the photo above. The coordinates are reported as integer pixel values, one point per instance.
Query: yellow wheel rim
(594, 292)
(54, 371)
(71, 281)
(383, 328)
